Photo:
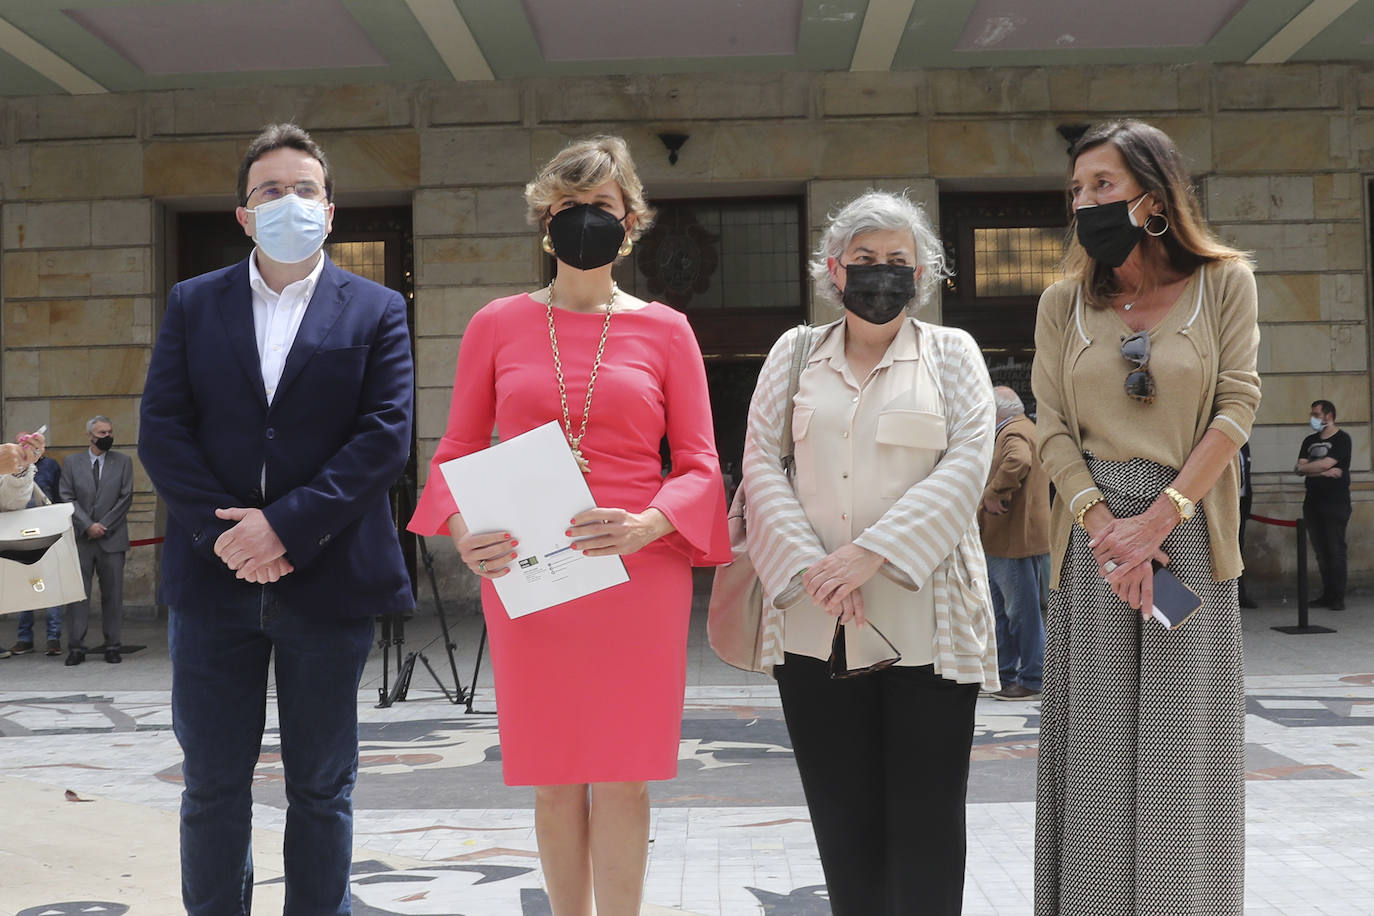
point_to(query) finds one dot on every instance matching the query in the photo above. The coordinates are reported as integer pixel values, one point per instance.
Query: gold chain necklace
(575, 442)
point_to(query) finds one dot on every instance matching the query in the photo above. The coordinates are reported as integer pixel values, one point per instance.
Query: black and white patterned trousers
(1140, 806)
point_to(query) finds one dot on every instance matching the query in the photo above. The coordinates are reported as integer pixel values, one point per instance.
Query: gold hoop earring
(547, 245)
(1154, 216)
(625, 249)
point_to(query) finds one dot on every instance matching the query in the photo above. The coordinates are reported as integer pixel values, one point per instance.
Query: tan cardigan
(1020, 482)
(1217, 314)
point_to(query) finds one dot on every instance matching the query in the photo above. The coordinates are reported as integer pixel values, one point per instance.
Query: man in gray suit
(99, 482)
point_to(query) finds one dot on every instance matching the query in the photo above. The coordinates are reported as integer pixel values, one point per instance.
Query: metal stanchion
(393, 633)
(1303, 627)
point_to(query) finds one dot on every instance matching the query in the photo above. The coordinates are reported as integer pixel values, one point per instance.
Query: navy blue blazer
(334, 439)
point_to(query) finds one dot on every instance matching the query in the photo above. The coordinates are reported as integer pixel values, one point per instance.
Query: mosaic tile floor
(89, 782)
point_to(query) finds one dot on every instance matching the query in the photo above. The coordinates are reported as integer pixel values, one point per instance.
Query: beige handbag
(38, 562)
(734, 619)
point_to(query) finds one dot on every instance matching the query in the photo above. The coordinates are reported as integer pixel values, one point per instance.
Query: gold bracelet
(1078, 519)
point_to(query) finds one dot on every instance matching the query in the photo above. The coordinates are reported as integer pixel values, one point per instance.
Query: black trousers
(1326, 529)
(1245, 503)
(884, 762)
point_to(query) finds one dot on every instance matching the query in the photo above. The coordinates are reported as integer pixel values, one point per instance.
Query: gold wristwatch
(1185, 506)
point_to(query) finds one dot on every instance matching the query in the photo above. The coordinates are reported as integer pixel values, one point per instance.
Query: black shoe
(75, 657)
(1247, 602)
(1016, 693)
(1319, 601)
(1336, 604)
(112, 656)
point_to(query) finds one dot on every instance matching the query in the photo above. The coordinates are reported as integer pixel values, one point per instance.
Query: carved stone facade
(87, 185)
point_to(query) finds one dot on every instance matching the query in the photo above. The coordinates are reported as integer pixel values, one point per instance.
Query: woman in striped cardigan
(893, 430)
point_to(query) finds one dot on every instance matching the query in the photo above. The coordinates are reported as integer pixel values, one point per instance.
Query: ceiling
(94, 46)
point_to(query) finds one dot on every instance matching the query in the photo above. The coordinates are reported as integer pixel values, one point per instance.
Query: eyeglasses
(271, 190)
(839, 664)
(1139, 383)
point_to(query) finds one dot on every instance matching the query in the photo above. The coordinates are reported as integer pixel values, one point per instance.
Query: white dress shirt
(277, 318)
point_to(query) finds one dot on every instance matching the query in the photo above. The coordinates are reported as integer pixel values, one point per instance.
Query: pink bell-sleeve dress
(592, 690)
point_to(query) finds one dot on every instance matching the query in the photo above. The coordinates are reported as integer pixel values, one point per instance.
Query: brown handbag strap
(801, 349)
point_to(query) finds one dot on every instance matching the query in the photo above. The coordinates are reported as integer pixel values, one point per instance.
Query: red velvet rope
(145, 541)
(1286, 523)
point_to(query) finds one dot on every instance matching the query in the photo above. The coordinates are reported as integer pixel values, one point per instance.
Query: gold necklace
(1135, 297)
(575, 442)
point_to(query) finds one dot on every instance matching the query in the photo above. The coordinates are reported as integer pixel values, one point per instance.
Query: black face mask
(104, 443)
(1108, 232)
(877, 293)
(586, 237)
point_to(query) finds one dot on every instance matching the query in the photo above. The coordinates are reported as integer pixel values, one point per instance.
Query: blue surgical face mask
(1317, 423)
(290, 229)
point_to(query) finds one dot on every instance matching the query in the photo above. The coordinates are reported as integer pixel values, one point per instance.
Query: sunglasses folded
(839, 664)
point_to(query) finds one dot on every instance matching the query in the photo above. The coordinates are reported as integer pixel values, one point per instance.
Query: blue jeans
(54, 625)
(219, 696)
(1015, 585)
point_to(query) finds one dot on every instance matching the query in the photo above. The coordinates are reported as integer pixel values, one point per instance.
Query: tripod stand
(393, 630)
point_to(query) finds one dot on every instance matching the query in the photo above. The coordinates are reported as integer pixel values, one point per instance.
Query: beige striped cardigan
(930, 533)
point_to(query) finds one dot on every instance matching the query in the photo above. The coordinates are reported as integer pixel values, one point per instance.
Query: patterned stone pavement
(90, 770)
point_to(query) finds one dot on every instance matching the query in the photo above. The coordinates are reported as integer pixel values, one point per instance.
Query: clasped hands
(595, 533)
(833, 582)
(251, 548)
(1125, 548)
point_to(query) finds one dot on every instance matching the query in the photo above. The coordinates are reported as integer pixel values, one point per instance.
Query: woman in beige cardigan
(893, 425)
(1145, 377)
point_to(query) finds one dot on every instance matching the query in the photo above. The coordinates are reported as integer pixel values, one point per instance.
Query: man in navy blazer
(276, 415)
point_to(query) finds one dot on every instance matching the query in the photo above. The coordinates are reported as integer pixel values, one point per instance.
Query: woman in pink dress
(589, 693)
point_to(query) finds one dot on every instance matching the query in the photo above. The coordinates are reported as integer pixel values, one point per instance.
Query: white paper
(531, 486)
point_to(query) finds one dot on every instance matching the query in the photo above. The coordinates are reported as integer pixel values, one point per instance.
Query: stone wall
(85, 183)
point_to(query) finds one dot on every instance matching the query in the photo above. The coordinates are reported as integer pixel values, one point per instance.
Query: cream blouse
(915, 440)
(860, 444)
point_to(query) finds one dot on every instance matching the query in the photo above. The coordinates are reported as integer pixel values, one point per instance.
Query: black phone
(1174, 602)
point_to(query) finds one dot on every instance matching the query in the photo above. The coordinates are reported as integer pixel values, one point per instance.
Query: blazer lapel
(236, 310)
(326, 305)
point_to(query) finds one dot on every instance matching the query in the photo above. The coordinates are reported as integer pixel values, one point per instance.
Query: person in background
(1015, 521)
(1247, 498)
(47, 472)
(100, 482)
(1145, 383)
(1324, 465)
(17, 471)
(893, 428)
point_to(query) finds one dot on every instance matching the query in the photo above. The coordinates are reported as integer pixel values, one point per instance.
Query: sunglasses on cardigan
(1139, 383)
